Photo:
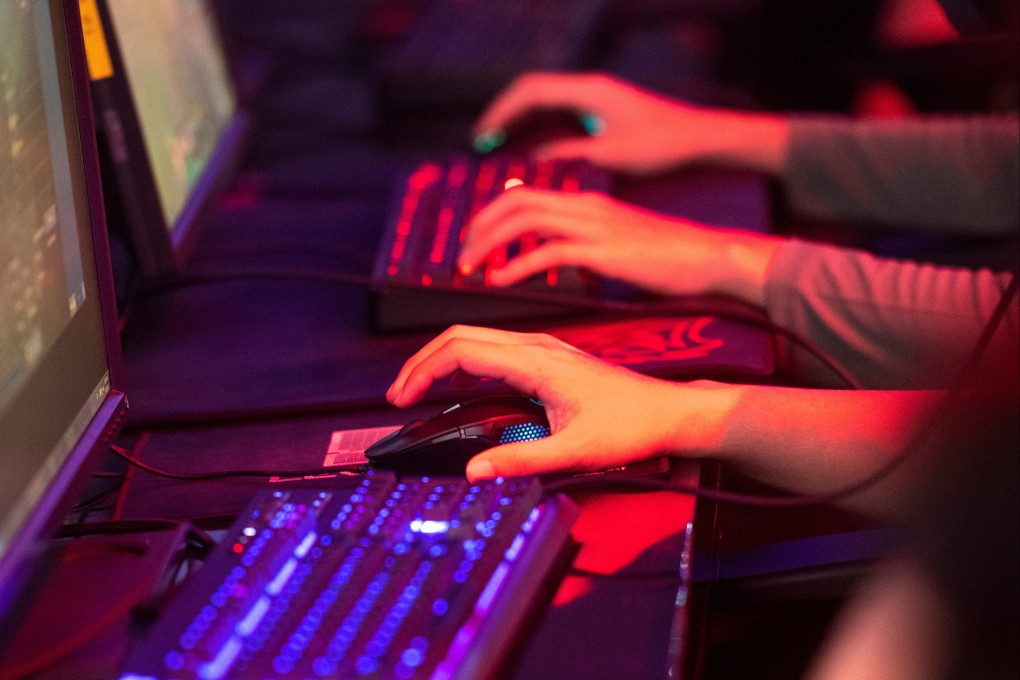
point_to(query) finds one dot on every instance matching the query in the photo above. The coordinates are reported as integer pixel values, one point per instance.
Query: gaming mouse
(444, 443)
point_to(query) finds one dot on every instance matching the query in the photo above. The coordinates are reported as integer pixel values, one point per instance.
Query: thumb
(522, 458)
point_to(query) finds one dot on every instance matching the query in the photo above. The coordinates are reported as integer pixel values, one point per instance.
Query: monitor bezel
(20, 564)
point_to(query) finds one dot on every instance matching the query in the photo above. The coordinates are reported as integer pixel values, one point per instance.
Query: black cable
(347, 255)
(226, 474)
(89, 504)
(246, 275)
(823, 498)
(130, 526)
(988, 331)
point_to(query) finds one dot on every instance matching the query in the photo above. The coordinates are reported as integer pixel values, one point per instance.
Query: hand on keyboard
(661, 254)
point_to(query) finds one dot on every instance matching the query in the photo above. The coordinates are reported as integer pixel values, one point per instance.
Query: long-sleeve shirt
(937, 174)
(891, 323)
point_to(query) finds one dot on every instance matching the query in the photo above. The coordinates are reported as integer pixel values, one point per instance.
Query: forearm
(805, 440)
(749, 141)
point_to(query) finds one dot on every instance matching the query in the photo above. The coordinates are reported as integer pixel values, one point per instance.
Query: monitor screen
(55, 337)
(180, 88)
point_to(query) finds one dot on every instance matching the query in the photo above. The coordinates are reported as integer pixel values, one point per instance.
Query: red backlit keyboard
(416, 276)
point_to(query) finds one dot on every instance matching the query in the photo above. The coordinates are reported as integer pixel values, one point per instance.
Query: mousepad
(674, 347)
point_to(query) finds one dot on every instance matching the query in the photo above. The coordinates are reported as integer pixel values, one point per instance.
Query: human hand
(662, 254)
(600, 415)
(633, 130)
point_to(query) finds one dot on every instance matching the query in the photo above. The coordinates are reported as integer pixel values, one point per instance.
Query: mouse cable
(225, 474)
(799, 500)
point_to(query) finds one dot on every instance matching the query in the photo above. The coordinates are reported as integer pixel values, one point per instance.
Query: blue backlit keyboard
(378, 577)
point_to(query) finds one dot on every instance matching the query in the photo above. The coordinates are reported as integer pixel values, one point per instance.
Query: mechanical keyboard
(464, 51)
(374, 577)
(416, 279)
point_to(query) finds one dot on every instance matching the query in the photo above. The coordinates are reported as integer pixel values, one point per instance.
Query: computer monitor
(170, 124)
(59, 401)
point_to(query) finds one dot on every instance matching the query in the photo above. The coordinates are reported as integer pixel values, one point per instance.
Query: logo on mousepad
(664, 344)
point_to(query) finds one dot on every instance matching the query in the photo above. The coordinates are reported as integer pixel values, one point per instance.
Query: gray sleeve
(938, 174)
(892, 324)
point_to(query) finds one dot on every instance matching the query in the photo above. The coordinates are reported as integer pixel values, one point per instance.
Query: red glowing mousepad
(675, 346)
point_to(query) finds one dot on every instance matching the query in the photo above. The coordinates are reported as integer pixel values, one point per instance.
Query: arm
(894, 324)
(950, 174)
(604, 416)
(638, 132)
(947, 174)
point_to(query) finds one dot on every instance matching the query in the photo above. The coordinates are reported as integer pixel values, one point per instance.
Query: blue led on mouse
(444, 443)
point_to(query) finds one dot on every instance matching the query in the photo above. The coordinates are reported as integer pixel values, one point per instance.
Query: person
(904, 329)
(887, 321)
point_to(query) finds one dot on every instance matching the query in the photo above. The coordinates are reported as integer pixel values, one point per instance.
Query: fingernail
(465, 270)
(487, 141)
(480, 470)
(593, 125)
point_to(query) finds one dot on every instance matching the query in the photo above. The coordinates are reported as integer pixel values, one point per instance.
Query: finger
(543, 456)
(548, 213)
(548, 256)
(454, 332)
(538, 91)
(499, 360)
(430, 347)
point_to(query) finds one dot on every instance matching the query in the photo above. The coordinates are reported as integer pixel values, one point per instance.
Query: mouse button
(448, 436)
(477, 430)
(385, 444)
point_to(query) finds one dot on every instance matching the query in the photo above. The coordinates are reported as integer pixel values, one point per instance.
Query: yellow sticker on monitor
(97, 53)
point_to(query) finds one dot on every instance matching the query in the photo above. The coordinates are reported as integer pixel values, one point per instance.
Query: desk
(622, 624)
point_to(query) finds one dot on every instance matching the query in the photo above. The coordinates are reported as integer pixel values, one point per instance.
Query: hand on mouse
(636, 131)
(662, 254)
(600, 415)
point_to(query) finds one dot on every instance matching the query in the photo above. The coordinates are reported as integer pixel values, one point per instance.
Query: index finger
(454, 332)
(507, 362)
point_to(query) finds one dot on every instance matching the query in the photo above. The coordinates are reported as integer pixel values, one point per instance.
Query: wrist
(745, 259)
(751, 141)
(701, 414)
